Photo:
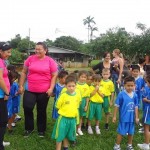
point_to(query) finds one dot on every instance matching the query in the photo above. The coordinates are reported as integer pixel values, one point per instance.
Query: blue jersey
(57, 90)
(126, 105)
(139, 84)
(146, 94)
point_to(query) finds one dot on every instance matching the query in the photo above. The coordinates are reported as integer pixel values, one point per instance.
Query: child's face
(71, 87)
(62, 80)
(148, 84)
(96, 82)
(105, 75)
(135, 73)
(83, 78)
(89, 80)
(129, 86)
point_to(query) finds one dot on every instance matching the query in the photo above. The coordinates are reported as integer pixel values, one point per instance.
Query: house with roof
(70, 58)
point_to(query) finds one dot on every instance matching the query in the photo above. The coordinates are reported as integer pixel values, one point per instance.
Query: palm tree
(88, 21)
(92, 30)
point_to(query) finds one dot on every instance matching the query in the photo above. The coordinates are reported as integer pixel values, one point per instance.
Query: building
(70, 58)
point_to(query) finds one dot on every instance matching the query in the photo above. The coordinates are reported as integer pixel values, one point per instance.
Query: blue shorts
(146, 115)
(126, 127)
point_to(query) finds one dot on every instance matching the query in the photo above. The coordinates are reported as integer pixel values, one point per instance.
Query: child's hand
(114, 119)
(137, 120)
(97, 87)
(6, 97)
(144, 99)
(110, 103)
(85, 108)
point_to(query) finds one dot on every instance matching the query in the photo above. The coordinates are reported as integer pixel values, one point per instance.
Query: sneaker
(6, 143)
(80, 132)
(129, 147)
(41, 134)
(141, 130)
(98, 131)
(116, 147)
(13, 124)
(106, 126)
(77, 134)
(17, 118)
(27, 133)
(90, 131)
(143, 146)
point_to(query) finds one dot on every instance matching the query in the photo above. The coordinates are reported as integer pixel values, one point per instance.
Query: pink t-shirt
(39, 73)
(5, 76)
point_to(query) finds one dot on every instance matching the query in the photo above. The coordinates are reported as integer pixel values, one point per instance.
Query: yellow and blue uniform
(84, 89)
(95, 105)
(107, 88)
(65, 126)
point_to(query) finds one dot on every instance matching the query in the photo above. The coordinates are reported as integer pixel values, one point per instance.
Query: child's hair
(11, 68)
(83, 72)
(70, 78)
(90, 73)
(62, 74)
(135, 67)
(129, 79)
(141, 60)
(96, 77)
(117, 51)
(106, 70)
(13, 75)
(147, 78)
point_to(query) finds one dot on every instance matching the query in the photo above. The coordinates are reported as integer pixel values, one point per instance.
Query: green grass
(105, 141)
(94, 62)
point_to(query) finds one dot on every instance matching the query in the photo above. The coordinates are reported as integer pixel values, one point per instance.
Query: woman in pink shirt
(5, 53)
(39, 75)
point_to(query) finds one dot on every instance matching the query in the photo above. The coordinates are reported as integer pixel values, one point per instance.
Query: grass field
(105, 141)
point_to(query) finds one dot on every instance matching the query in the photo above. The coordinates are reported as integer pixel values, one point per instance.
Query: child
(127, 103)
(88, 82)
(13, 101)
(146, 115)
(67, 105)
(84, 89)
(139, 82)
(107, 89)
(95, 105)
(57, 90)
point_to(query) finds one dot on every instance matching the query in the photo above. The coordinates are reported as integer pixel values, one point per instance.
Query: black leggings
(3, 121)
(29, 101)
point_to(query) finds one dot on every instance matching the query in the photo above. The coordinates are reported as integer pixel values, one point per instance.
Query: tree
(89, 21)
(15, 41)
(67, 42)
(92, 30)
(48, 42)
(141, 26)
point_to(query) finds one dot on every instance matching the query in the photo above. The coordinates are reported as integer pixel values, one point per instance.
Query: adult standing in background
(40, 73)
(5, 53)
(106, 63)
(118, 64)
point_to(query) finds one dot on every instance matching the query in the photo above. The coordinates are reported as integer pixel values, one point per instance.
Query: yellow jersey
(68, 104)
(84, 89)
(96, 97)
(107, 87)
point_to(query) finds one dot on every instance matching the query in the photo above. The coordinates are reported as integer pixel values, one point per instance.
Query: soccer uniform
(106, 88)
(95, 105)
(84, 89)
(126, 104)
(57, 90)
(146, 106)
(65, 126)
(140, 83)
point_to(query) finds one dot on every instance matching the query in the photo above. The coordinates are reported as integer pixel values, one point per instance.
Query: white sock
(146, 145)
(129, 144)
(116, 145)
(89, 127)
(97, 127)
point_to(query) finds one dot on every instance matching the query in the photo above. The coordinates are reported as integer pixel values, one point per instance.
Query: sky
(50, 19)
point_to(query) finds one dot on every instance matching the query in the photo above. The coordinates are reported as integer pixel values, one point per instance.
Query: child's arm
(95, 90)
(146, 100)
(87, 103)
(136, 115)
(100, 94)
(115, 114)
(111, 99)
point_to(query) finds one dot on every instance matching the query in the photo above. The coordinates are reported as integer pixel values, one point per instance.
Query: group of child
(82, 97)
